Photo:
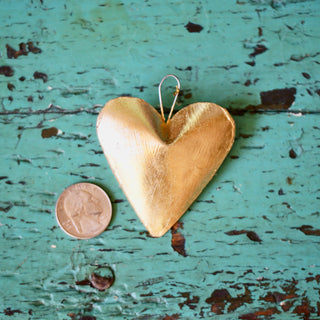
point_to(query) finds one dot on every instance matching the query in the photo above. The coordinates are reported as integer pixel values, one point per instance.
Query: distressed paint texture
(248, 248)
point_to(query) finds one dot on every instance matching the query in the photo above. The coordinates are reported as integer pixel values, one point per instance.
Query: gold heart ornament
(162, 166)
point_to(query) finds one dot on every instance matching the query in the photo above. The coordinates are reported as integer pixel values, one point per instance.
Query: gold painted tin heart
(161, 166)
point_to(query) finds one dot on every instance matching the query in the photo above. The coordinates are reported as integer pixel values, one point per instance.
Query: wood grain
(248, 248)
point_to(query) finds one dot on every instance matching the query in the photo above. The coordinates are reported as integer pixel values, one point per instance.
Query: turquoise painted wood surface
(248, 248)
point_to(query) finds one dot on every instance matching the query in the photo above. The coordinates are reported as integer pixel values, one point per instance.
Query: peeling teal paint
(268, 187)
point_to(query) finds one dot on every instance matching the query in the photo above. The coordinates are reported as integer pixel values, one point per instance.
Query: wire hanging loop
(176, 93)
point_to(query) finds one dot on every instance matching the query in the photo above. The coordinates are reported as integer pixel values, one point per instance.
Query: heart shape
(161, 166)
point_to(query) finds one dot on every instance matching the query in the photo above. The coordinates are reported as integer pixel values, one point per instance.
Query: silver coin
(83, 210)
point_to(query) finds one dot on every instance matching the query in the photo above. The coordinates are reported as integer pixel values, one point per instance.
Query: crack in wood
(54, 109)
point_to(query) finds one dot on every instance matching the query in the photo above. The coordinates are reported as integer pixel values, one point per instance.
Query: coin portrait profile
(83, 211)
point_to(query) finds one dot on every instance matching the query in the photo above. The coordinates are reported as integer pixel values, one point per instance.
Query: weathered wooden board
(95, 50)
(248, 248)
